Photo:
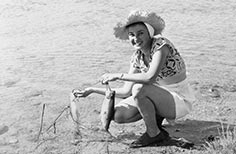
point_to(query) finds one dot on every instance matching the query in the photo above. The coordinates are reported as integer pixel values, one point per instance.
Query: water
(52, 42)
(69, 43)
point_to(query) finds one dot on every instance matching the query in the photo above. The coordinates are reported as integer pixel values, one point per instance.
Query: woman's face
(139, 36)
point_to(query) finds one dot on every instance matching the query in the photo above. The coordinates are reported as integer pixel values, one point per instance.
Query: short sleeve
(158, 44)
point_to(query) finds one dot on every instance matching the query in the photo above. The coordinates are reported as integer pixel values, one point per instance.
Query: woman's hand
(110, 77)
(82, 93)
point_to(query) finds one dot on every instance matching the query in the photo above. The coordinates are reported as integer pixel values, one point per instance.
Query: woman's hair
(148, 27)
(136, 23)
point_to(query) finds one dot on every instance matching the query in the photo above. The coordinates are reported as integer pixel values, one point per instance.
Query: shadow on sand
(188, 134)
(193, 134)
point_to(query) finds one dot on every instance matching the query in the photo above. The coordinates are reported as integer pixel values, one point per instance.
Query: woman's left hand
(110, 77)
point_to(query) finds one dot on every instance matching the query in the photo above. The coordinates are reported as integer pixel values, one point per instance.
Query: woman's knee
(125, 114)
(137, 90)
(119, 117)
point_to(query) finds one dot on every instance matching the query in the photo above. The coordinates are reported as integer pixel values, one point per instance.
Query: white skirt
(183, 96)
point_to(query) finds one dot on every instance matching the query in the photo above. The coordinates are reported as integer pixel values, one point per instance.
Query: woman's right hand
(82, 93)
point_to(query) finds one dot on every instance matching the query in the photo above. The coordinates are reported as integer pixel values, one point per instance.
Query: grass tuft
(225, 143)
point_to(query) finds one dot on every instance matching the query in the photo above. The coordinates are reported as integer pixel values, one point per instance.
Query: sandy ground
(38, 71)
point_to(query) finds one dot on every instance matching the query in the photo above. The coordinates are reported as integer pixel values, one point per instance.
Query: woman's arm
(126, 90)
(122, 92)
(158, 61)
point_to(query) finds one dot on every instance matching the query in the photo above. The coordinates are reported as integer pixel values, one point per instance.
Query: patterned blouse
(174, 63)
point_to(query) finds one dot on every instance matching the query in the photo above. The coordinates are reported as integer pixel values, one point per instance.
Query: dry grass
(224, 144)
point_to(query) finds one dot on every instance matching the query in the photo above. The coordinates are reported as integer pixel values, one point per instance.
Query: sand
(49, 48)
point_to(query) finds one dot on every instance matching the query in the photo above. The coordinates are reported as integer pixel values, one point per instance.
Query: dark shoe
(146, 140)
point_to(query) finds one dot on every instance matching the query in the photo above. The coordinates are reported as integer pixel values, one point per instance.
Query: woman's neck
(147, 49)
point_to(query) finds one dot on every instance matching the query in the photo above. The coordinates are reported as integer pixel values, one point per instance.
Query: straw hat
(139, 16)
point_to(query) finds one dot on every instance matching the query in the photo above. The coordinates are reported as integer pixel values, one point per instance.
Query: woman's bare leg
(126, 111)
(145, 101)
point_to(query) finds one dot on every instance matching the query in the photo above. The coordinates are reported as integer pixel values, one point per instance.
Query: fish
(107, 110)
(74, 108)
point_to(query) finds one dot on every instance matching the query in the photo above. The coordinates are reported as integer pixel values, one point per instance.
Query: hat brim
(158, 24)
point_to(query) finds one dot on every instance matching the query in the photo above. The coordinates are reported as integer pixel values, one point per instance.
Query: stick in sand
(41, 122)
(54, 122)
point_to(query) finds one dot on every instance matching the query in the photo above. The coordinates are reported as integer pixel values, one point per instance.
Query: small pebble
(3, 129)
(13, 141)
(214, 92)
(75, 141)
(232, 89)
(177, 130)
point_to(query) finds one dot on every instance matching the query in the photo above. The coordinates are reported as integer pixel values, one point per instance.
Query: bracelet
(121, 76)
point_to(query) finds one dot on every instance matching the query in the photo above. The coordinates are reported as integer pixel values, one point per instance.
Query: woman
(155, 86)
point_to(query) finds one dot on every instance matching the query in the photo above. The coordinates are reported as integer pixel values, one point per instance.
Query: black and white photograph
(117, 77)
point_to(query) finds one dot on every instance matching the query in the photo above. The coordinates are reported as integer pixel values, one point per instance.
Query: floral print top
(174, 62)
